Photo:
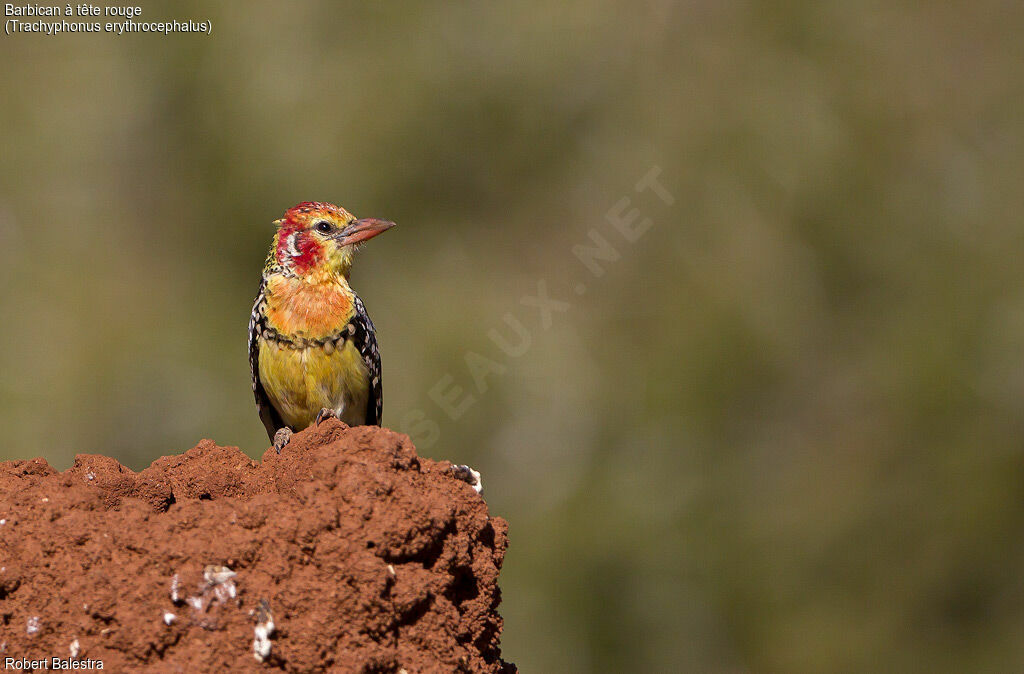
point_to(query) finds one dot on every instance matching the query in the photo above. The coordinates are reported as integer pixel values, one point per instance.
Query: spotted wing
(364, 338)
(257, 322)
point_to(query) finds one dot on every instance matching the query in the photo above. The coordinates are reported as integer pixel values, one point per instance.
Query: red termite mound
(346, 552)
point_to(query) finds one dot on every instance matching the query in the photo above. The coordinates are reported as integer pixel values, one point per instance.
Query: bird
(312, 347)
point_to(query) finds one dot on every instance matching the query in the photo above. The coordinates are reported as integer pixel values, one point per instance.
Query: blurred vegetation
(784, 432)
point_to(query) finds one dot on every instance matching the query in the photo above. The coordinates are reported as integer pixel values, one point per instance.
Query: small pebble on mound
(345, 552)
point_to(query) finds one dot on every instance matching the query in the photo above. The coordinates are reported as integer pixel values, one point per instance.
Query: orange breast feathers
(311, 310)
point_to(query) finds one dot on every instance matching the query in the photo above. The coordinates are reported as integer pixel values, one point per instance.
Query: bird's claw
(469, 476)
(325, 413)
(281, 438)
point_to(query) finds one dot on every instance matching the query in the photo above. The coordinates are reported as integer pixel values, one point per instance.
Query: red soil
(365, 557)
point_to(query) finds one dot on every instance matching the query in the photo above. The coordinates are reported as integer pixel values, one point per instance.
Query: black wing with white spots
(364, 338)
(257, 323)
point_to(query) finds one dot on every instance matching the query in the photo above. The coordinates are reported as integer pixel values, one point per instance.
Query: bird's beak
(362, 230)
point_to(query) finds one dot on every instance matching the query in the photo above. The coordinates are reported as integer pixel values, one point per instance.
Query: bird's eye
(323, 227)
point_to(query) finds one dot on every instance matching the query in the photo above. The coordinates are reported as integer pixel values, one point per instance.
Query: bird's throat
(297, 307)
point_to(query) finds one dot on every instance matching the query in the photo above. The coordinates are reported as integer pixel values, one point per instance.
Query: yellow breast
(301, 382)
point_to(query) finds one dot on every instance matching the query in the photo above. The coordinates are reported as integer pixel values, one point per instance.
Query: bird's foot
(281, 438)
(324, 414)
(469, 476)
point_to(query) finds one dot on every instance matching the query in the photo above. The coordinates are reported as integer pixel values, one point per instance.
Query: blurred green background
(784, 430)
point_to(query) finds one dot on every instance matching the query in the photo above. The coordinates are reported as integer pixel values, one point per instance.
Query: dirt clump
(346, 552)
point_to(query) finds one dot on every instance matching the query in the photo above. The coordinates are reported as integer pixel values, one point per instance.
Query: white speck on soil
(262, 632)
(74, 649)
(224, 591)
(215, 575)
(220, 579)
(169, 618)
(470, 476)
(32, 626)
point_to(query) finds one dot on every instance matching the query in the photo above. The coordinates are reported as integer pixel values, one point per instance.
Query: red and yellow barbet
(312, 347)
